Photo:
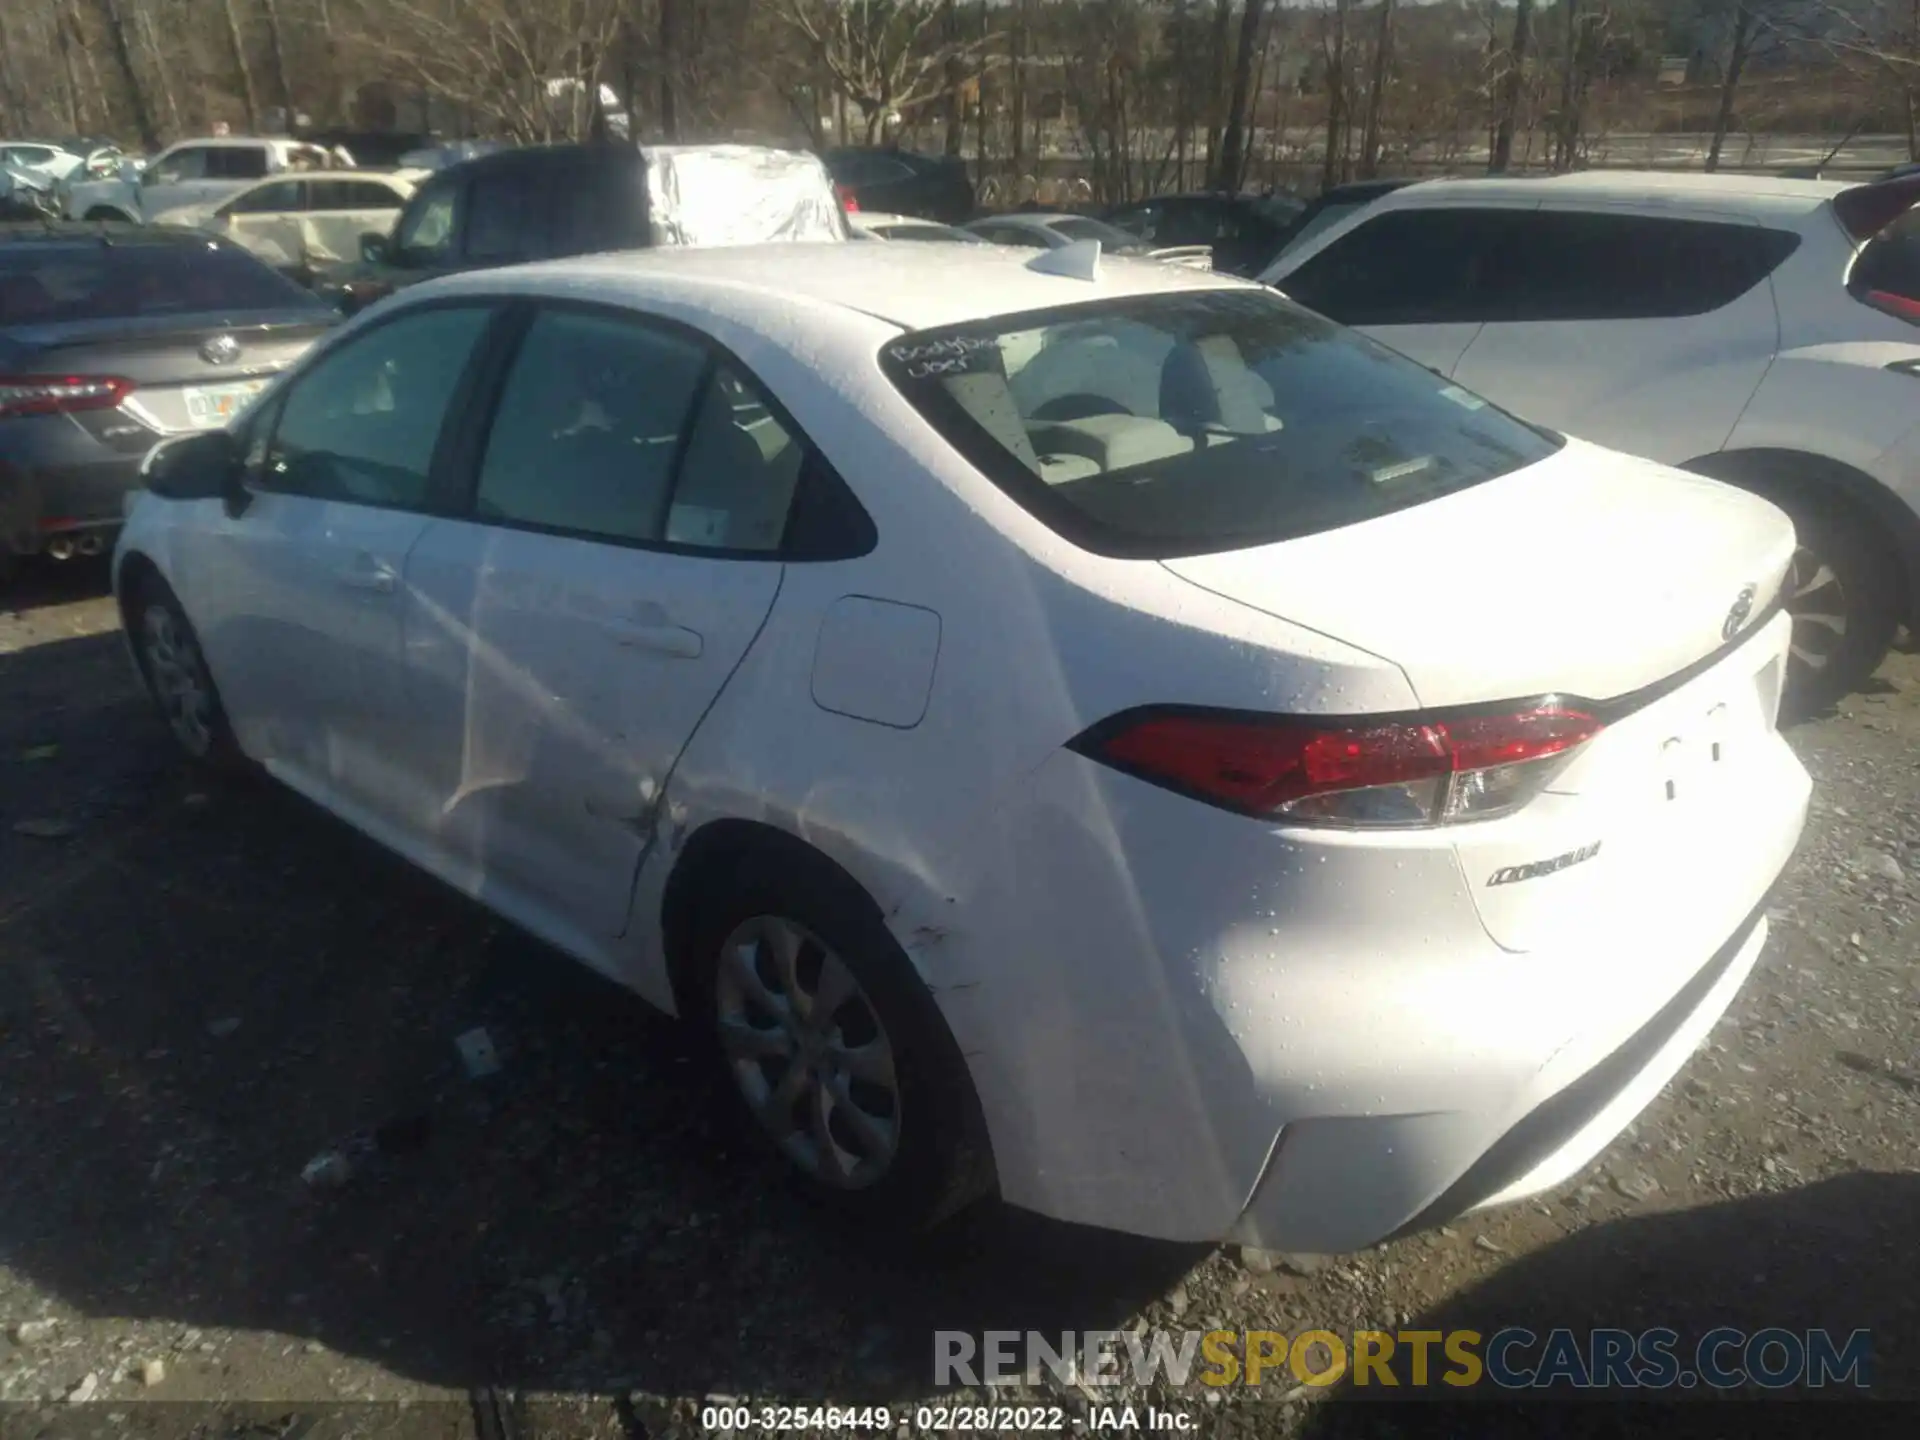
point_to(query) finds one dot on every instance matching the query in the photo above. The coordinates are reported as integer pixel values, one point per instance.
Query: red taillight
(849, 201)
(1899, 306)
(58, 394)
(1419, 771)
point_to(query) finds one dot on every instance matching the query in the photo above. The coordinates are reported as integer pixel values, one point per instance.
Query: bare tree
(881, 54)
(1333, 170)
(237, 47)
(1746, 24)
(277, 49)
(1883, 38)
(1230, 170)
(122, 45)
(1377, 90)
(1512, 83)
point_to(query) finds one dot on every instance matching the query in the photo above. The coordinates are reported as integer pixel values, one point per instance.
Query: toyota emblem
(1738, 616)
(220, 350)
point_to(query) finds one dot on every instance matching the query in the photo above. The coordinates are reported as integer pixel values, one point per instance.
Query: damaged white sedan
(1085, 731)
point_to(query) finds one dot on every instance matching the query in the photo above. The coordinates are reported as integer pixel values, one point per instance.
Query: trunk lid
(1590, 574)
(177, 385)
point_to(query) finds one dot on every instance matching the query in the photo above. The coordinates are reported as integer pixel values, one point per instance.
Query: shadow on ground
(1836, 1255)
(39, 582)
(202, 988)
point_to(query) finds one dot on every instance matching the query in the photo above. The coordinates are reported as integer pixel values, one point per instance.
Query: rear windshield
(1890, 265)
(1079, 227)
(57, 284)
(1213, 420)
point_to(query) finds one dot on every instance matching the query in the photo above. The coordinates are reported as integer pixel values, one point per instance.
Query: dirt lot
(202, 988)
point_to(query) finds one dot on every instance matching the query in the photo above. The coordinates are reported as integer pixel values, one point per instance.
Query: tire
(175, 669)
(1842, 591)
(880, 1122)
(103, 213)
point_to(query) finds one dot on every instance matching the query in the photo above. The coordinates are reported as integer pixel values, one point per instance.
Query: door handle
(368, 573)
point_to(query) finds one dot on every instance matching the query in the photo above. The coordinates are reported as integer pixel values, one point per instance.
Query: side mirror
(201, 466)
(373, 249)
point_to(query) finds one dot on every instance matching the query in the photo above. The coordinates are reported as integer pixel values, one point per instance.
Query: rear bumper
(38, 502)
(1333, 1189)
(1189, 1025)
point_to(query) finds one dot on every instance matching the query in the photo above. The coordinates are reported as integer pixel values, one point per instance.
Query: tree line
(1127, 94)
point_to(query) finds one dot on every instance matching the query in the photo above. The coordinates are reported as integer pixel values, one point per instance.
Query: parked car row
(1060, 726)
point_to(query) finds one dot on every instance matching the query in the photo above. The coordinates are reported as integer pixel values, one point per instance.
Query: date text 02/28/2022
(940, 1419)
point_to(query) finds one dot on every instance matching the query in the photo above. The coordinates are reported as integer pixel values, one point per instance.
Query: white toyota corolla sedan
(1080, 730)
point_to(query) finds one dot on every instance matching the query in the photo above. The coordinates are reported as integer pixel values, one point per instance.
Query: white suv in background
(192, 172)
(1759, 331)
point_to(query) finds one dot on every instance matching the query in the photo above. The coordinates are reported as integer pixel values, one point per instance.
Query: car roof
(1661, 189)
(55, 233)
(1035, 219)
(916, 287)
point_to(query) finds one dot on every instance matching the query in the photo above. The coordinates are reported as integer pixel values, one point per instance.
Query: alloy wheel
(178, 675)
(807, 1048)
(1817, 600)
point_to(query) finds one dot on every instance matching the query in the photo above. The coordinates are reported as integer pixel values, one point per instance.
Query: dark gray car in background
(114, 337)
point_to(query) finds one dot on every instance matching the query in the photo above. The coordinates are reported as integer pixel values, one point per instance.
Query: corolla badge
(220, 350)
(1741, 612)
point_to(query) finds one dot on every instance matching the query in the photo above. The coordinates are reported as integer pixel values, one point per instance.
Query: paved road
(202, 988)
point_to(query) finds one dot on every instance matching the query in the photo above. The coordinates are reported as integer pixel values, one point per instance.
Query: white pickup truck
(192, 172)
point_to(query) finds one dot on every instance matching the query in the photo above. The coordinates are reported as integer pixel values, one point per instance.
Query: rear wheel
(1841, 591)
(836, 1053)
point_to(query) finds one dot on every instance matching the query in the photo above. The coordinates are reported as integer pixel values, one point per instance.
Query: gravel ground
(203, 988)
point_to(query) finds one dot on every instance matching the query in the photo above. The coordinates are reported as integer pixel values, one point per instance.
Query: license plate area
(1698, 744)
(211, 406)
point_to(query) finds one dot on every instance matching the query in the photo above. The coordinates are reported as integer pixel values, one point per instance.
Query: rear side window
(281, 197)
(1887, 274)
(236, 162)
(598, 208)
(350, 195)
(55, 284)
(1408, 267)
(506, 217)
(1181, 424)
(1581, 265)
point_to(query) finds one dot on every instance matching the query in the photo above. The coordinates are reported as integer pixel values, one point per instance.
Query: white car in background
(867, 225)
(1094, 732)
(55, 162)
(191, 173)
(1041, 231)
(294, 221)
(1765, 332)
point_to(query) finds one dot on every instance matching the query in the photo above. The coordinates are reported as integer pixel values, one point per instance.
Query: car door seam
(650, 820)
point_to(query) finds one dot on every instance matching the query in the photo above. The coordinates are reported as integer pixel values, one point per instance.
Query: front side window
(363, 423)
(586, 431)
(187, 164)
(1179, 424)
(1409, 267)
